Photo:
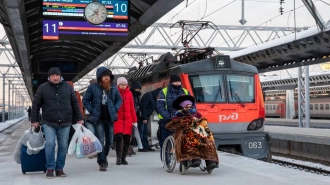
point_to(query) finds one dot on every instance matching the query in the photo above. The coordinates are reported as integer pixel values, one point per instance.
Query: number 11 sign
(50, 30)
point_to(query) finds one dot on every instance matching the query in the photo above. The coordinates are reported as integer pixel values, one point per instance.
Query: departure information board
(82, 30)
(116, 9)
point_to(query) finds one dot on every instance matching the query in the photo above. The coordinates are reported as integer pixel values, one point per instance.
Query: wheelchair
(169, 159)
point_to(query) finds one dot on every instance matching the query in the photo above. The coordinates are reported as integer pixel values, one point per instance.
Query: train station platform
(314, 123)
(305, 135)
(146, 169)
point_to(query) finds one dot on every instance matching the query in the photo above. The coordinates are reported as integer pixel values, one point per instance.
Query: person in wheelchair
(193, 139)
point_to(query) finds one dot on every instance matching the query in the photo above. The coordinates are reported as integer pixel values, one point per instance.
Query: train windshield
(208, 88)
(240, 88)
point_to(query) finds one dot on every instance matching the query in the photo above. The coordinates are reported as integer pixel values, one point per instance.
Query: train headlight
(256, 124)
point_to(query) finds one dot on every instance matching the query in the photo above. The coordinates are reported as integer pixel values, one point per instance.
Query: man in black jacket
(58, 102)
(147, 106)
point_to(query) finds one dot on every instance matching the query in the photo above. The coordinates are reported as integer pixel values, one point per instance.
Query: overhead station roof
(22, 21)
(303, 48)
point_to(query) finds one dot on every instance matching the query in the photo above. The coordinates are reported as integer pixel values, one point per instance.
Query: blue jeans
(143, 131)
(62, 134)
(90, 126)
(164, 133)
(104, 132)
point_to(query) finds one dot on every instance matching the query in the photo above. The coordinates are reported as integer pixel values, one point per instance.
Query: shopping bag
(84, 143)
(137, 137)
(74, 139)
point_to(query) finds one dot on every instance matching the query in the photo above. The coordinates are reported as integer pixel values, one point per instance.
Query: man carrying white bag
(84, 143)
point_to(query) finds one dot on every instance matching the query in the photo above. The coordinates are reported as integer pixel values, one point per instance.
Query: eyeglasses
(187, 107)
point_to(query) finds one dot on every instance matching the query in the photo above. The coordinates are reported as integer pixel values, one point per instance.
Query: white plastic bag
(137, 137)
(84, 143)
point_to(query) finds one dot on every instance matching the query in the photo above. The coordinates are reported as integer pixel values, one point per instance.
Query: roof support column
(289, 104)
(3, 97)
(303, 97)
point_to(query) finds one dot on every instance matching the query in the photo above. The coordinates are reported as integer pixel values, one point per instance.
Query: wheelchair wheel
(182, 169)
(168, 154)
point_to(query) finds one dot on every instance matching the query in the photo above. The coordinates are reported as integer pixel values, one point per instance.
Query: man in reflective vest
(164, 105)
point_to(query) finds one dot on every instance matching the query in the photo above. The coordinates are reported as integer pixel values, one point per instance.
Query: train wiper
(235, 95)
(216, 96)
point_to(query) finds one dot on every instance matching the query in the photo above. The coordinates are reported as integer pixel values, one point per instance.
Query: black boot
(211, 164)
(119, 149)
(125, 149)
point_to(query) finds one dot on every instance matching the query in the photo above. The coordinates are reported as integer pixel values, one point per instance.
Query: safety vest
(165, 93)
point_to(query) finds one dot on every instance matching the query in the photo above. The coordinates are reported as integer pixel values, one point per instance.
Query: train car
(228, 94)
(319, 108)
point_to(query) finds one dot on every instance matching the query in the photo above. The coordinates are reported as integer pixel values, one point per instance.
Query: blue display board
(82, 30)
(116, 9)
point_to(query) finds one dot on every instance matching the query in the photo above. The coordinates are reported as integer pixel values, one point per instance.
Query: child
(126, 119)
(193, 139)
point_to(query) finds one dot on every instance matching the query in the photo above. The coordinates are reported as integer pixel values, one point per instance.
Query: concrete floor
(146, 169)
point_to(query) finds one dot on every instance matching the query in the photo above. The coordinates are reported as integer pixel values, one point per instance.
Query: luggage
(33, 163)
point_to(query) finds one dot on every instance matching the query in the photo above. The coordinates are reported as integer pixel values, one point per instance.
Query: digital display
(67, 67)
(116, 10)
(82, 30)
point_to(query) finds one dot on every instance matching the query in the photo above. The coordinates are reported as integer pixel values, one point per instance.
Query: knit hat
(121, 80)
(184, 99)
(175, 78)
(184, 103)
(54, 70)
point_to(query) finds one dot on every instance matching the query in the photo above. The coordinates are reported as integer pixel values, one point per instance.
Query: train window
(311, 107)
(266, 107)
(316, 106)
(326, 106)
(278, 107)
(274, 107)
(208, 88)
(321, 107)
(240, 88)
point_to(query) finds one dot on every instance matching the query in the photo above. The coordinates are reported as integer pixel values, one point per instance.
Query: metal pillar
(307, 102)
(3, 97)
(12, 102)
(303, 97)
(290, 110)
(9, 100)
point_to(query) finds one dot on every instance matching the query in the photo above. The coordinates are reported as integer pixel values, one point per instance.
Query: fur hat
(175, 78)
(54, 70)
(177, 102)
(121, 80)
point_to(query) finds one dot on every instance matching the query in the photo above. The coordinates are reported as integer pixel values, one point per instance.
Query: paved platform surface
(309, 135)
(146, 169)
(314, 123)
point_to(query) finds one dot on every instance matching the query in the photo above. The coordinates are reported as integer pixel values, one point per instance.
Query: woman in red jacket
(126, 119)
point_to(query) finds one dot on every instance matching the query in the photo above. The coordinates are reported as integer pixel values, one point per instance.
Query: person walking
(147, 107)
(58, 102)
(102, 100)
(126, 119)
(135, 89)
(29, 113)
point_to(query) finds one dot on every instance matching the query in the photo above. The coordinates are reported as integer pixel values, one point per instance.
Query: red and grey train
(228, 94)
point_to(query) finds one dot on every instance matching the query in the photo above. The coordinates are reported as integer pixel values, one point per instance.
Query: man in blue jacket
(102, 100)
(147, 106)
(164, 105)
